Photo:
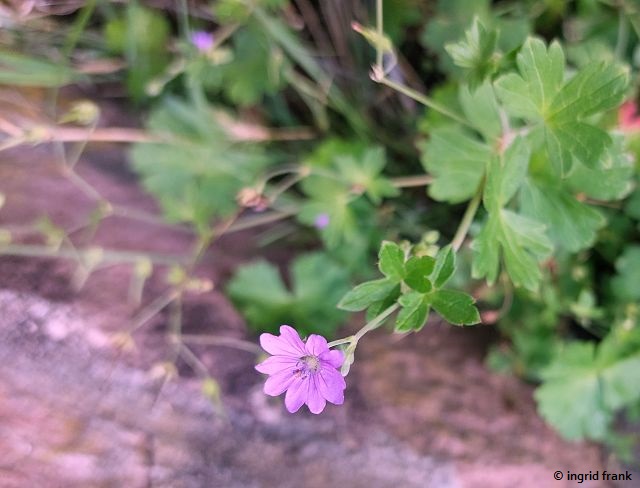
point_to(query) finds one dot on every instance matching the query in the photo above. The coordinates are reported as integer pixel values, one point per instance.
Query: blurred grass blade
(18, 69)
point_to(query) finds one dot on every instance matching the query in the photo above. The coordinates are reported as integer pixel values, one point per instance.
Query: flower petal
(316, 345)
(288, 343)
(275, 364)
(334, 357)
(315, 400)
(297, 394)
(278, 382)
(331, 385)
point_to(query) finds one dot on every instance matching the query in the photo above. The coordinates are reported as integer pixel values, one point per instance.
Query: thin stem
(423, 99)
(376, 322)
(81, 183)
(209, 340)
(153, 309)
(368, 327)
(467, 219)
(193, 361)
(346, 340)
(33, 250)
(109, 134)
(258, 220)
(78, 27)
(379, 20)
(411, 181)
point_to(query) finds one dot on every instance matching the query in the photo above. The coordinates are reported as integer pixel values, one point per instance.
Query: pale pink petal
(316, 345)
(334, 358)
(297, 394)
(315, 400)
(628, 117)
(288, 343)
(331, 385)
(275, 364)
(279, 382)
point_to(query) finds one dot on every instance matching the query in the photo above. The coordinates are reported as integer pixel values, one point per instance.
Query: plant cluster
(526, 114)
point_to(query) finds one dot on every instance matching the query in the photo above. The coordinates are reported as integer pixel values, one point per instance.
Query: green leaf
(196, 171)
(23, 70)
(539, 95)
(142, 35)
(519, 240)
(256, 69)
(444, 267)
(626, 284)
(317, 283)
(342, 218)
(505, 174)
(475, 53)
(259, 292)
(570, 398)
(612, 181)
(414, 312)
(364, 174)
(455, 307)
(418, 270)
(481, 108)
(456, 161)
(632, 207)
(366, 294)
(391, 261)
(530, 94)
(454, 17)
(584, 386)
(570, 224)
(378, 307)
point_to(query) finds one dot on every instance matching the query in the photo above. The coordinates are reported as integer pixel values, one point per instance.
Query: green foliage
(586, 384)
(519, 240)
(317, 283)
(197, 170)
(454, 17)
(559, 109)
(457, 162)
(626, 283)
(475, 53)
(415, 283)
(24, 70)
(141, 35)
(252, 53)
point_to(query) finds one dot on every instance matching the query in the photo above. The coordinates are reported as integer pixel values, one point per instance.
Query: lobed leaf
(366, 294)
(455, 307)
(414, 312)
(391, 261)
(418, 270)
(457, 163)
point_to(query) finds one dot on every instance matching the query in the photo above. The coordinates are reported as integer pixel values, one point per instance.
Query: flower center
(312, 363)
(307, 365)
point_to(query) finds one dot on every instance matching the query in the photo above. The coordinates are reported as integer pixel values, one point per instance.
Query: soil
(421, 410)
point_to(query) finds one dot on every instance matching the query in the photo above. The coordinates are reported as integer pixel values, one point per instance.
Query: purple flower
(203, 41)
(306, 371)
(321, 221)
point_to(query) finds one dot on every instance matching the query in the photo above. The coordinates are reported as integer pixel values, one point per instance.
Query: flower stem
(376, 322)
(467, 219)
(346, 340)
(423, 99)
(411, 181)
(379, 31)
(368, 327)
